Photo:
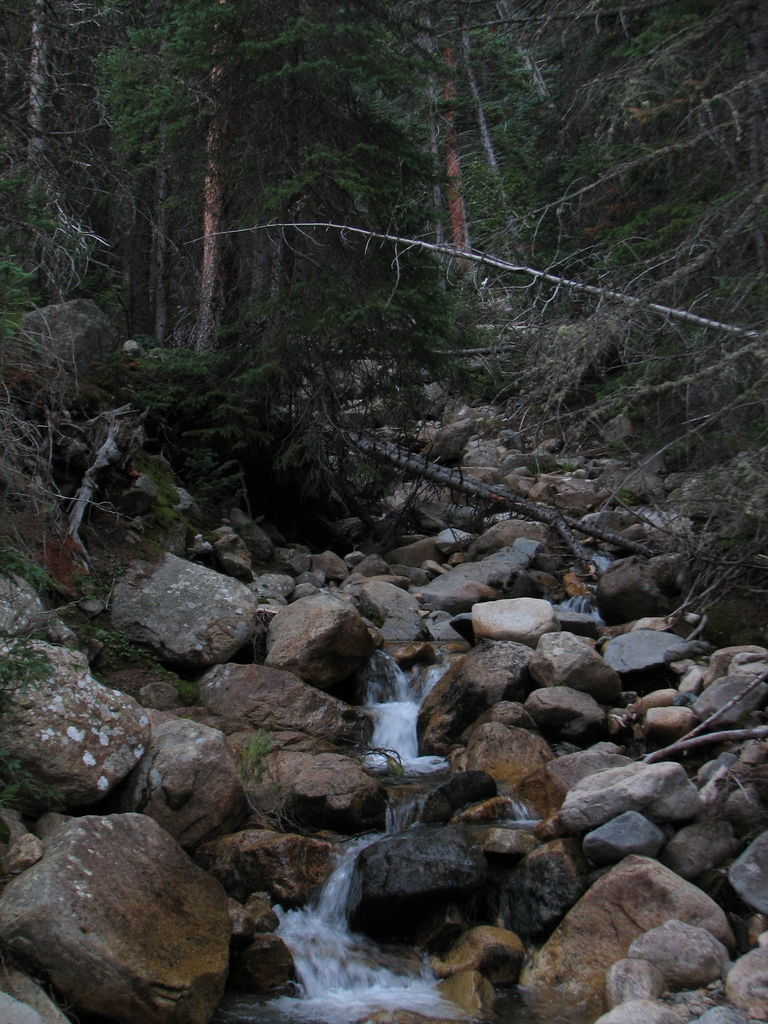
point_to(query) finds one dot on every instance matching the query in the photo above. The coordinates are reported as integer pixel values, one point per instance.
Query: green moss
(188, 691)
(164, 509)
(737, 619)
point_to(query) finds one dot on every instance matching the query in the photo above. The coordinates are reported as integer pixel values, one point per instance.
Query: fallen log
(494, 494)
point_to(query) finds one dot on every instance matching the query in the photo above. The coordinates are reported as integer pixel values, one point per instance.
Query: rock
(747, 983)
(721, 692)
(276, 700)
(402, 879)
(562, 659)
(19, 985)
(273, 584)
(456, 792)
(633, 897)
(266, 965)
(504, 534)
(318, 791)
(121, 922)
(21, 610)
(630, 979)
(260, 546)
(289, 867)
(742, 656)
(663, 726)
(22, 854)
(466, 584)
(232, 554)
(537, 893)
(640, 1011)
(662, 791)
(489, 673)
(721, 1015)
(75, 334)
(187, 780)
(522, 619)
(294, 559)
(749, 874)
(76, 738)
(642, 656)
(394, 611)
(322, 639)
(413, 554)
(545, 788)
(448, 444)
(565, 714)
(628, 833)
(331, 565)
(184, 613)
(699, 847)
(495, 952)
(633, 587)
(471, 992)
(14, 1012)
(687, 956)
(371, 565)
(506, 753)
(140, 496)
(452, 540)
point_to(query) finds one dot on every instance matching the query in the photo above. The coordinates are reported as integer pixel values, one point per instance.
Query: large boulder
(187, 780)
(75, 737)
(545, 788)
(562, 659)
(320, 791)
(287, 866)
(184, 613)
(507, 753)
(458, 590)
(642, 657)
(21, 610)
(749, 874)
(633, 587)
(565, 714)
(727, 689)
(121, 922)
(522, 619)
(76, 334)
(747, 983)
(322, 639)
(276, 700)
(687, 956)
(630, 832)
(393, 610)
(662, 791)
(636, 895)
(401, 879)
(489, 673)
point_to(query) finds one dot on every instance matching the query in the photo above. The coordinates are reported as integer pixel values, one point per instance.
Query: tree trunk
(38, 81)
(456, 210)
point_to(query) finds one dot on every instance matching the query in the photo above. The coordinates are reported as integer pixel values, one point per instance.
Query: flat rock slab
(645, 650)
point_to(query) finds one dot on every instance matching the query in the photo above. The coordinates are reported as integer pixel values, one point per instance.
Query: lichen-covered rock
(75, 737)
(187, 780)
(121, 922)
(184, 613)
(322, 639)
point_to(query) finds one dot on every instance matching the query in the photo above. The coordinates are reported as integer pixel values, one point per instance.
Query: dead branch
(107, 454)
(495, 495)
(489, 260)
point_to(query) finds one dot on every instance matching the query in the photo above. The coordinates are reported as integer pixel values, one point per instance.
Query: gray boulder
(699, 847)
(645, 653)
(562, 659)
(633, 587)
(522, 619)
(76, 738)
(630, 832)
(687, 956)
(631, 978)
(641, 1011)
(393, 610)
(184, 613)
(121, 922)
(747, 983)
(565, 714)
(75, 334)
(749, 874)
(724, 690)
(471, 582)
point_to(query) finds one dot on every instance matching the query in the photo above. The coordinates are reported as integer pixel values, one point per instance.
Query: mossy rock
(738, 619)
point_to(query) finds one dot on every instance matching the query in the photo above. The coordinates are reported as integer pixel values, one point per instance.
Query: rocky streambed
(532, 827)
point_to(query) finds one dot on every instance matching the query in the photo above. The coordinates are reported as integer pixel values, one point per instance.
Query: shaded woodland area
(559, 206)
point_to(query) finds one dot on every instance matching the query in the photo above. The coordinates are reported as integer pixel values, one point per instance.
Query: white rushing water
(394, 698)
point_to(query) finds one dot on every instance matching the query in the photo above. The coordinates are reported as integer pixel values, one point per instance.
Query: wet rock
(749, 874)
(506, 753)
(321, 639)
(662, 791)
(276, 700)
(287, 866)
(401, 879)
(76, 738)
(565, 714)
(636, 895)
(632, 978)
(522, 619)
(489, 673)
(562, 659)
(187, 780)
(265, 966)
(536, 895)
(747, 983)
(184, 613)
(628, 833)
(471, 992)
(456, 792)
(496, 953)
(149, 942)
(687, 956)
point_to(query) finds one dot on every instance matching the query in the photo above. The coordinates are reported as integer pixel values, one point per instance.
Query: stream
(345, 977)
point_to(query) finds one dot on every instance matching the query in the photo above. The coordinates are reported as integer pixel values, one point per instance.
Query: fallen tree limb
(698, 735)
(495, 495)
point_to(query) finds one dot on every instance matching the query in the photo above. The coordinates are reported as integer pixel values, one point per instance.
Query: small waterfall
(394, 699)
